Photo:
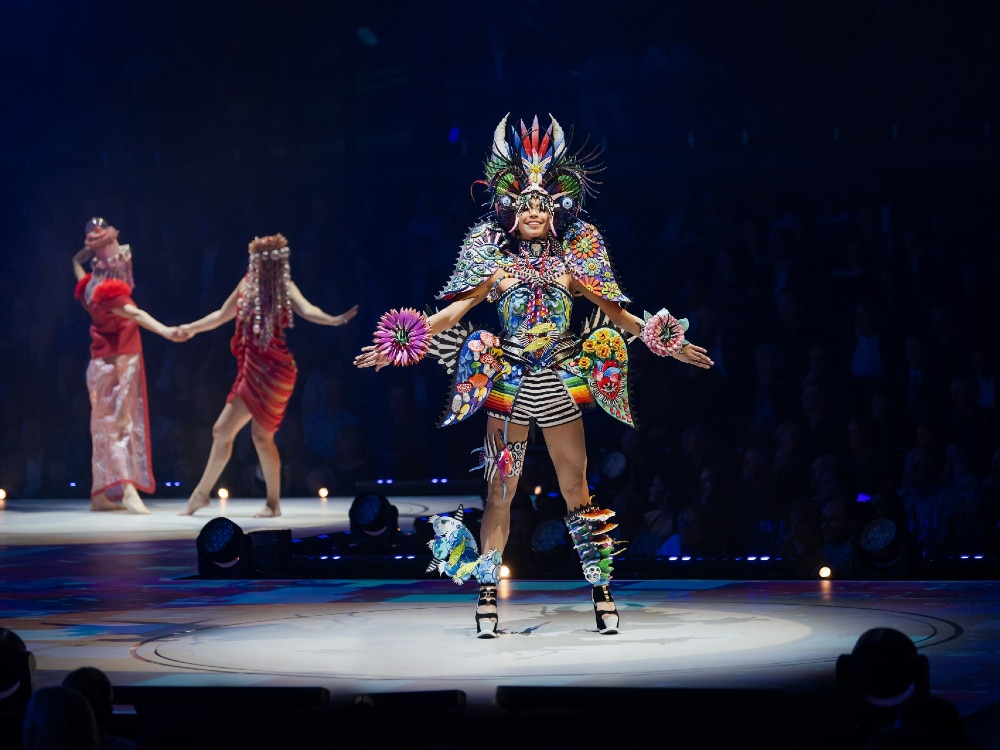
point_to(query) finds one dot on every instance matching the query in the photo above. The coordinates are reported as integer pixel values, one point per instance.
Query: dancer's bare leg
(233, 418)
(270, 466)
(131, 500)
(568, 451)
(495, 526)
(100, 502)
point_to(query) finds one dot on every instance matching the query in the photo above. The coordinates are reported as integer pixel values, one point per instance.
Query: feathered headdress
(536, 163)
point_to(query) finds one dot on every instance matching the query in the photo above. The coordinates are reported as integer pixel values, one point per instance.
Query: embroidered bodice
(535, 310)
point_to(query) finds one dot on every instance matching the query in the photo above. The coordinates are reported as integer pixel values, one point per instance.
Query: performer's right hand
(370, 357)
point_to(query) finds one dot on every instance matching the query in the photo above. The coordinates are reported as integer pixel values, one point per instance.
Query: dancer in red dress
(264, 304)
(121, 463)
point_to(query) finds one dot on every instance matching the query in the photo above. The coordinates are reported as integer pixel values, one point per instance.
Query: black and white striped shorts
(544, 396)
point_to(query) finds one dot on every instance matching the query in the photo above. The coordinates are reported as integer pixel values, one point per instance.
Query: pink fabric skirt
(119, 423)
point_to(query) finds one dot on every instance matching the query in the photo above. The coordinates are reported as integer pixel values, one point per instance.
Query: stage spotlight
(323, 493)
(374, 521)
(224, 551)
(223, 493)
(825, 572)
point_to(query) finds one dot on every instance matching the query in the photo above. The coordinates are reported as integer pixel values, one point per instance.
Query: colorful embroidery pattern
(603, 361)
(480, 363)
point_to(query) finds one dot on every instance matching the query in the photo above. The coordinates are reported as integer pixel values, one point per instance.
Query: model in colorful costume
(264, 304)
(121, 463)
(531, 256)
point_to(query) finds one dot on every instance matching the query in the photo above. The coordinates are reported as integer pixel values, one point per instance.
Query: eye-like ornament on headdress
(535, 164)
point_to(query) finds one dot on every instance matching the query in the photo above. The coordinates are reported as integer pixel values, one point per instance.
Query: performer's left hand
(345, 317)
(694, 355)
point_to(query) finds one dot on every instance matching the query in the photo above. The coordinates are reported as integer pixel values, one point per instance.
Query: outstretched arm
(214, 319)
(306, 309)
(439, 321)
(689, 353)
(147, 321)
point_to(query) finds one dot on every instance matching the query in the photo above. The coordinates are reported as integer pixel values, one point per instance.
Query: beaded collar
(537, 262)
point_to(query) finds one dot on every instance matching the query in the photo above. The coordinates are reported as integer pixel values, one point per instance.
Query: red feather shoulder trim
(81, 285)
(109, 290)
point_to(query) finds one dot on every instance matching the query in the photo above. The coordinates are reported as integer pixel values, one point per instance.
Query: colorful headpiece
(536, 164)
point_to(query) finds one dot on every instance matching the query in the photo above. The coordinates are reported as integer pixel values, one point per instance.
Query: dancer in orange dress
(264, 304)
(121, 463)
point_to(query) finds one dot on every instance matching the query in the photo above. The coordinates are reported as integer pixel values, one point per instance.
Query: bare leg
(496, 516)
(495, 526)
(233, 418)
(132, 502)
(101, 502)
(270, 465)
(568, 451)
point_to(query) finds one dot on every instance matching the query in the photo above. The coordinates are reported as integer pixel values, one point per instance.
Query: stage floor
(118, 591)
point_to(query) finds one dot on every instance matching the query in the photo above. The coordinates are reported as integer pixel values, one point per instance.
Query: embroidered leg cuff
(589, 529)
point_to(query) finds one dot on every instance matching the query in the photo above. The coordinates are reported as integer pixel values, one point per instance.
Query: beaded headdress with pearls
(266, 304)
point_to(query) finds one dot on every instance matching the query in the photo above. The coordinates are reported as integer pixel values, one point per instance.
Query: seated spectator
(17, 678)
(59, 717)
(695, 536)
(95, 686)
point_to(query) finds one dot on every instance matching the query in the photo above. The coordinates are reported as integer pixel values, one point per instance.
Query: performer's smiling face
(534, 219)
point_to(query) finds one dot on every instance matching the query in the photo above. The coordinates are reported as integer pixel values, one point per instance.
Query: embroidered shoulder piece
(479, 257)
(589, 262)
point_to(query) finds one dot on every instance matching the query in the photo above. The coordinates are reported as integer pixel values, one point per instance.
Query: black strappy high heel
(607, 619)
(487, 623)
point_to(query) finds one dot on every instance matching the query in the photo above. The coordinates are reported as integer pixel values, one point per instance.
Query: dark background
(843, 153)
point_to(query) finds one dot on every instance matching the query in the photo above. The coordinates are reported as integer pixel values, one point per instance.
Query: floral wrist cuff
(403, 336)
(663, 333)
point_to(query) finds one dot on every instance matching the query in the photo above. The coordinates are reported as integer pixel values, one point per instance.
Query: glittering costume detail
(119, 424)
(456, 553)
(589, 529)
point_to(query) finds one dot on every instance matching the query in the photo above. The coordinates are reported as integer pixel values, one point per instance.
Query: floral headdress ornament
(536, 165)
